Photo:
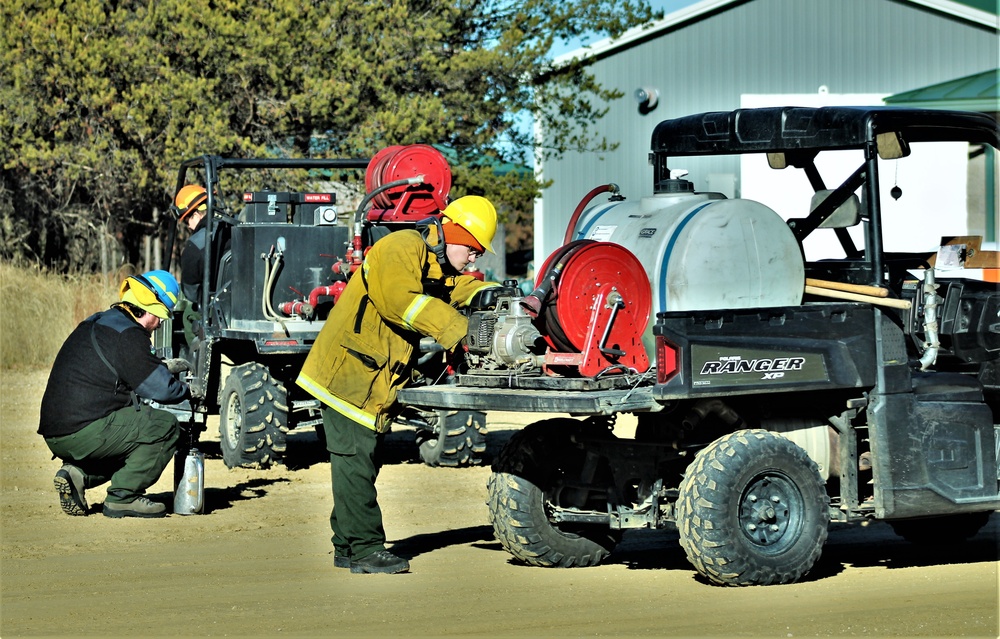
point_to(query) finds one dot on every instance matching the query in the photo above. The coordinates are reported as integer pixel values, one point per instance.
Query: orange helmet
(189, 199)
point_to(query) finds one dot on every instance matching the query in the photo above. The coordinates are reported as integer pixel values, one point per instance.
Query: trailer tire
(252, 418)
(521, 489)
(943, 530)
(752, 509)
(458, 438)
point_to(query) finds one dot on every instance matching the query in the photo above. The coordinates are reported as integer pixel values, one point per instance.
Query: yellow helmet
(477, 216)
(190, 198)
(155, 292)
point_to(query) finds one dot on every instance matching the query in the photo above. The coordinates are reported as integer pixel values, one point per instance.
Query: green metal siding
(758, 47)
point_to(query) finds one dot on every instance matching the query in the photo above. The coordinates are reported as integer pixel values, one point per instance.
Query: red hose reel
(408, 203)
(595, 305)
(403, 184)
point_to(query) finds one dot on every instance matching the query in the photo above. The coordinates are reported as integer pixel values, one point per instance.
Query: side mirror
(847, 214)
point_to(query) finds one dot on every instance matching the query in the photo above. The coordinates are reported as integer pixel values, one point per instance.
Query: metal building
(718, 55)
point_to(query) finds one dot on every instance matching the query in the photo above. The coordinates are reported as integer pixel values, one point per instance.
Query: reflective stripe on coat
(361, 357)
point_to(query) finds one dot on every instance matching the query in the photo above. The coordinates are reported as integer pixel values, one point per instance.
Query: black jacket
(193, 263)
(83, 389)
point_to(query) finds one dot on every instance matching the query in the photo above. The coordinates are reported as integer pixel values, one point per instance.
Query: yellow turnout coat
(361, 357)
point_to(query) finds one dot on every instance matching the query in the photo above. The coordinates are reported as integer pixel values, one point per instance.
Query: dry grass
(39, 309)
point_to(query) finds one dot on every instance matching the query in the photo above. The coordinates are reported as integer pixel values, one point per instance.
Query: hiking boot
(69, 484)
(141, 507)
(341, 561)
(381, 561)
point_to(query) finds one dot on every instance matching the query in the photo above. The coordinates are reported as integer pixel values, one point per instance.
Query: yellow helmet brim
(135, 293)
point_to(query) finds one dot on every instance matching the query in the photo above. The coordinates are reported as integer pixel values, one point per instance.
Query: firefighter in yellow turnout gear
(408, 287)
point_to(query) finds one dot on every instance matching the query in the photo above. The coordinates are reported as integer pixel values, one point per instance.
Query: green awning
(977, 92)
(983, 5)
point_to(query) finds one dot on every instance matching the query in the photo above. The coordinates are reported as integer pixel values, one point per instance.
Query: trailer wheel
(752, 509)
(527, 481)
(252, 418)
(941, 531)
(457, 438)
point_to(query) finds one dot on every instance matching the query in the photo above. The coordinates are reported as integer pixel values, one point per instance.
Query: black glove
(177, 365)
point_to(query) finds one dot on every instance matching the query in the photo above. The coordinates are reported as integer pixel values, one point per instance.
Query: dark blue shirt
(83, 389)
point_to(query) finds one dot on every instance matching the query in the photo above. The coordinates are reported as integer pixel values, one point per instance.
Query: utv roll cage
(794, 136)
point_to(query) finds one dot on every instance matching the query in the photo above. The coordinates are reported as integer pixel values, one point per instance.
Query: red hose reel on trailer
(408, 202)
(595, 302)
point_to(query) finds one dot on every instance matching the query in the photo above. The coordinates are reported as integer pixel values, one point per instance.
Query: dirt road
(259, 564)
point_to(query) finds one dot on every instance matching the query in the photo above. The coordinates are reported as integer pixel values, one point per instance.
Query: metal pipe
(296, 307)
(706, 407)
(931, 344)
(334, 291)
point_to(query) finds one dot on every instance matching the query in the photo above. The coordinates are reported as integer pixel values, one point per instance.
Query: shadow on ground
(223, 498)
(416, 545)
(848, 545)
(304, 449)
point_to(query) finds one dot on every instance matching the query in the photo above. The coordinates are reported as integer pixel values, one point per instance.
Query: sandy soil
(259, 563)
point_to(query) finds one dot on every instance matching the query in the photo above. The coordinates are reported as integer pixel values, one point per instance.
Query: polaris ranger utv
(273, 271)
(773, 393)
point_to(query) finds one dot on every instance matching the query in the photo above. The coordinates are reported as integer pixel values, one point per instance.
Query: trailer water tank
(702, 251)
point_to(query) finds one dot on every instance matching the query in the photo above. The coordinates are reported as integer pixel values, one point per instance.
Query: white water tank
(703, 252)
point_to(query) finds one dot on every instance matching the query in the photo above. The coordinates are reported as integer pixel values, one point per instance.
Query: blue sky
(668, 6)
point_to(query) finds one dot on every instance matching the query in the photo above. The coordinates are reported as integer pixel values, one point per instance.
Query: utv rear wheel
(527, 485)
(252, 418)
(752, 510)
(456, 438)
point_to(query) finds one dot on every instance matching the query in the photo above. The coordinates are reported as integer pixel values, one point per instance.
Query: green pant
(355, 460)
(129, 447)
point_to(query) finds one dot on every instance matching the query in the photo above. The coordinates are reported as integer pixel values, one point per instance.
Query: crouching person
(91, 416)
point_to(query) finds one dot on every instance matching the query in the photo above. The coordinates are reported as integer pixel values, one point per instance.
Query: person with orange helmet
(91, 415)
(409, 286)
(191, 207)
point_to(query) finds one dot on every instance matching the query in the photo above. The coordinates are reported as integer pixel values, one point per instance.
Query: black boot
(380, 561)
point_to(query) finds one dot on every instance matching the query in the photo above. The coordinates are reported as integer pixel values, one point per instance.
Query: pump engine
(502, 338)
(586, 318)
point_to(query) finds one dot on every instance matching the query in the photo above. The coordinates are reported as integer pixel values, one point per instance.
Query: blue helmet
(154, 291)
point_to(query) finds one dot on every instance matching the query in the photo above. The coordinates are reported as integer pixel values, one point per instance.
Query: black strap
(423, 227)
(360, 315)
(363, 305)
(100, 353)
(366, 359)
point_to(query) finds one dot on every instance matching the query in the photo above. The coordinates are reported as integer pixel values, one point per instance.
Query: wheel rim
(234, 420)
(771, 510)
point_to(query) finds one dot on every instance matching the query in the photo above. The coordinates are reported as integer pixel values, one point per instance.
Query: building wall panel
(757, 47)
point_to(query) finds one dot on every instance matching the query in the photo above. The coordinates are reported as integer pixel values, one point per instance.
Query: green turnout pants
(130, 448)
(355, 460)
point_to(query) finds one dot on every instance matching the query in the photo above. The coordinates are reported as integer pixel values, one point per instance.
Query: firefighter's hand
(177, 365)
